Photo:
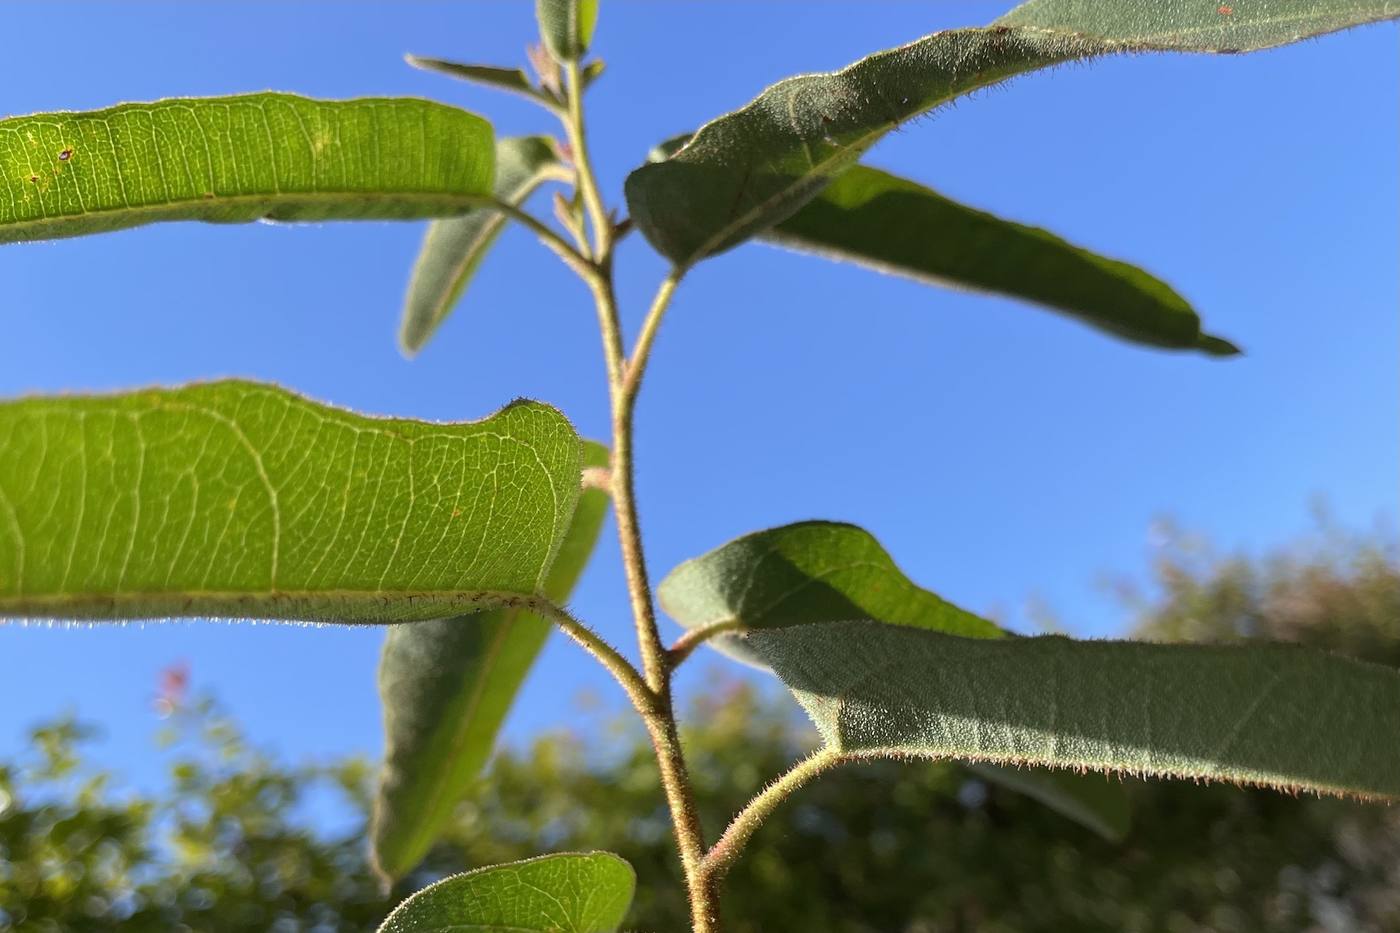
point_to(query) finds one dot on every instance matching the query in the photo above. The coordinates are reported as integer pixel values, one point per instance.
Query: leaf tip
(1217, 346)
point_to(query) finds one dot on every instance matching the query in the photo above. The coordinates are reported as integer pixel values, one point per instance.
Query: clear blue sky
(1000, 452)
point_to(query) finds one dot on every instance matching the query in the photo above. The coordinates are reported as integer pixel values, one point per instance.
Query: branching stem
(622, 669)
(650, 688)
(624, 381)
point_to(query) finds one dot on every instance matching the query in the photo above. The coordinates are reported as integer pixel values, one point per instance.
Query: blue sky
(1001, 453)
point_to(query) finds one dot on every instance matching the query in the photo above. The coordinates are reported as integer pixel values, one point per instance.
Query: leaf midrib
(463, 203)
(507, 598)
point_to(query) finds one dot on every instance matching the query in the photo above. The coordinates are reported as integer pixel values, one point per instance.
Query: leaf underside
(446, 687)
(800, 574)
(1270, 715)
(565, 893)
(452, 249)
(238, 500)
(238, 159)
(898, 226)
(813, 572)
(752, 168)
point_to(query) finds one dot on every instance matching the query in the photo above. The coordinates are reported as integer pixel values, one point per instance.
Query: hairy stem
(725, 853)
(696, 637)
(622, 670)
(624, 383)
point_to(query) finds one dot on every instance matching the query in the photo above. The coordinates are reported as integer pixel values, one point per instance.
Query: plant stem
(588, 182)
(622, 670)
(696, 637)
(662, 727)
(725, 853)
(624, 383)
(571, 256)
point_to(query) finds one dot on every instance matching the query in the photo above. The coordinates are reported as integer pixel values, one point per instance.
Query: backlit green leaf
(892, 225)
(815, 572)
(453, 248)
(752, 168)
(800, 574)
(237, 500)
(567, 26)
(238, 159)
(1272, 715)
(446, 687)
(566, 893)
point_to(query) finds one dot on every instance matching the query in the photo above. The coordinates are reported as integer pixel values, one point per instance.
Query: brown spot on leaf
(66, 154)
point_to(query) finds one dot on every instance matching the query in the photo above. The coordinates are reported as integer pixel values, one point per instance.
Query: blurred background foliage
(234, 843)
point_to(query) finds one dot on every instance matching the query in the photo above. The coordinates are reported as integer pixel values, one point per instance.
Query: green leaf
(1202, 27)
(750, 169)
(238, 159)
(566, 893)
(1095, 801)
(1263, 714)
(893, 225)
(453, 249)
(237, 500)
(513, 80)
(815, 572)
(592, 72)
(567, 26)
(446, 687)
(800, 574)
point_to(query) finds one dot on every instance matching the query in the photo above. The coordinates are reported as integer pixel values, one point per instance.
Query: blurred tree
(231, 848)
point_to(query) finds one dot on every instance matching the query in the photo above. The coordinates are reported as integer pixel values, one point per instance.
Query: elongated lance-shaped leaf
(800, 574)
(566, 26)
(588, 892)
(893, 225)
(238, 500)
(1206, 27)
(752, 168)
(238, 159)
(897, 226)
(1271, 715)
(452, 249)
(513, 80)
(447, 686)
(815, 572)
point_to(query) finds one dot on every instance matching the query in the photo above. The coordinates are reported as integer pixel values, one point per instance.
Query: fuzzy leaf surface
(801, 574)
(239, 500)
(1272, 715)
(750, 169)
(446, 687)
(239, 159)
(567, 26)
(453, 248)
(814, 572)
(897, 226)
(587, 892)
